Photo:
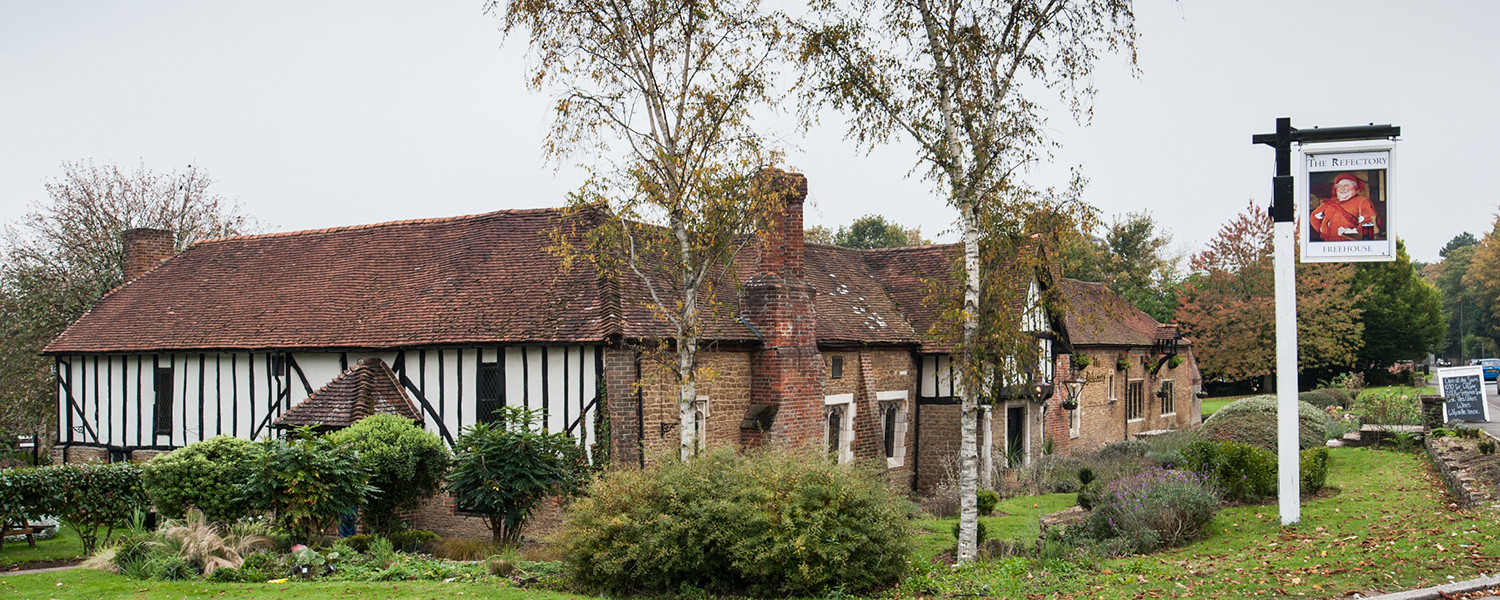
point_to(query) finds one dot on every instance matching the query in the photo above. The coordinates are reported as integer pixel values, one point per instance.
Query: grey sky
(326, 114)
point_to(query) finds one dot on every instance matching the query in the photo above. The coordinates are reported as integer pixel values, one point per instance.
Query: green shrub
(987, 501)
(1128, 449)
(1243, 472)
(505, 469)
(1390, 407)
(1081, 361)
(360, 543)
(206, 475)
(1175, 361)
(1313, 464)
(1088, 495)
(1487, 447)
(1154, 509)
(307, 482)
(1253, 421)
(406, 465)
(412, 540)
(1085, 476)
(91, 496)
(772, 523)
(24, 496)
(1339, 396)
(1319, 398)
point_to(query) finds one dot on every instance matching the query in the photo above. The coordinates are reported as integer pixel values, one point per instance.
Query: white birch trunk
(968, 472)
(687, 353)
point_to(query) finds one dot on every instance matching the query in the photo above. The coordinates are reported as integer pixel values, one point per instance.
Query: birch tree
(654, 98)
(956, 78)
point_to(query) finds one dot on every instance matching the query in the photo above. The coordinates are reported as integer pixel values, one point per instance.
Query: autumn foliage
(1228, 305)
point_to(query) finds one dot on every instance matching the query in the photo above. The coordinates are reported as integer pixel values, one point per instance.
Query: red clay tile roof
(906, 273)
(1097, 316)
(486, 278)
(367, 388)
(471, 279)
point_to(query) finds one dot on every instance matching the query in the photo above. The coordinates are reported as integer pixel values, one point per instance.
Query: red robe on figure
(1352, 219)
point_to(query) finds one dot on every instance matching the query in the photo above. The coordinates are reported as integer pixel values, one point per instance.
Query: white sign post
(1347, 228)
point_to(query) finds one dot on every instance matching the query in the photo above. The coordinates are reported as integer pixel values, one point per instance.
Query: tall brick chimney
(787, 372)
(146, 248)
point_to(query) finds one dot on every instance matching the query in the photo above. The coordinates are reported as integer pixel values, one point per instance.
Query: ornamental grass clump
(1153, 509)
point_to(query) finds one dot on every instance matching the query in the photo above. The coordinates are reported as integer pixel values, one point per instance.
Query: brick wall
(144, 249)
(79, 454)
(866, 373)
(624, 403)
(788, 371)
(723, 376)
(1103, 409)
(439, 515)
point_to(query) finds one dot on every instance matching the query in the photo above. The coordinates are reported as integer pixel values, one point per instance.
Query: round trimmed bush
(1338, 395)
(206, 475)
(1253, 421)
(406, 465)
(769, 523)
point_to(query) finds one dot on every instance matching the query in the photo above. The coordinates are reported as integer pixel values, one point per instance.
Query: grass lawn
(84, 584)
(1429, 390)
(1017, 517)
(1212, 405)
(64, 546)
(1387, 528)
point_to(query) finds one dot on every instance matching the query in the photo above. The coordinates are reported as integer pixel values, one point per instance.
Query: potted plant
(1123, 363)
(1080, 361)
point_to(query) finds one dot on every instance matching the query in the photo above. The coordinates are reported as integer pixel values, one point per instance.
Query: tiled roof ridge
(397, 223)
(895, 249)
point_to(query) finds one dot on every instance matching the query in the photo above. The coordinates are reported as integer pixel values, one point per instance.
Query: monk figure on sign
(1347, 214)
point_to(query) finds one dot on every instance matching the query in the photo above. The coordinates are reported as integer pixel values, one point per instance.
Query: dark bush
(1088, 495)
(406, 465)
(307, 482)
(987, 501)
(1253, 421)
(1340, 397)
(1319, 398)
(1314, 469)
(1123, 449)
(771, 523)
(1243, 472)
(206, 475)
(412, 540)
(504, 469)
(1153, 509)
(360, 543)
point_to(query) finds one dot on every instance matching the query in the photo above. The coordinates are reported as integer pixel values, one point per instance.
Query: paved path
(1492, 396)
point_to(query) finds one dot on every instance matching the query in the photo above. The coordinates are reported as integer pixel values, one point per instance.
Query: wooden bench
(29, 530)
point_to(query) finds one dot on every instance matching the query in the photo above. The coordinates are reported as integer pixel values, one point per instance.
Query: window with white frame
(1110, 387)
(893, 426)
(700, 423)
(1168, 406)
(838, 419)
(1135, 399)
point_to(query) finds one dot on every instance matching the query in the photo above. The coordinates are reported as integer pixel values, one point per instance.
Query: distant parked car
(1491, 368)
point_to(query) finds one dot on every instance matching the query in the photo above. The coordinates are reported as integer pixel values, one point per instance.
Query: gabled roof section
(1097, 316)
(480, 278)
(853, 304)
(906, 273)
(367, 388)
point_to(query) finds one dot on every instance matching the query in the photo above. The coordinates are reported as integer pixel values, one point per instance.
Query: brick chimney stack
(145, 248)
(787, 372)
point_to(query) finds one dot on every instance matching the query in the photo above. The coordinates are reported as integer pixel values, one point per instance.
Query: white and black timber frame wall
(125, 402)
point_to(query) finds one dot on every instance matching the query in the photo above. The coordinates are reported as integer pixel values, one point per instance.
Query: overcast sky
(320, 114)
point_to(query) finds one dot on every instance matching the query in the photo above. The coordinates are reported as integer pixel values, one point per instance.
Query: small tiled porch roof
(367, 388)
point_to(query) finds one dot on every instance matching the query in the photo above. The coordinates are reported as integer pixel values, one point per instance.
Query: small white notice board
(1463, 389)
